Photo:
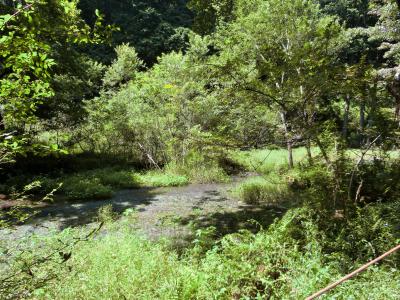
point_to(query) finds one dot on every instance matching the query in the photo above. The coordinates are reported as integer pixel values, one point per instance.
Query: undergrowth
(290, 260)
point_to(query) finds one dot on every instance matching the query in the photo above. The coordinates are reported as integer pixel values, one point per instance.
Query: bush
(366, 233)
(252, 193)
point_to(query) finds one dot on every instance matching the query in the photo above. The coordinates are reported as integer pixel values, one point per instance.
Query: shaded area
(252, 218)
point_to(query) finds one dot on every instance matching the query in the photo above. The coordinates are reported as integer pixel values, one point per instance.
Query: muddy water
(160, 211)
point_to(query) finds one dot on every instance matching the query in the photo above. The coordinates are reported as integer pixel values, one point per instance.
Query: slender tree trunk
(331, 166)
(362, 121)
(288, 139)
(309, 153)
(2, 127)
(290, 154)
(395, 92)
(397, 110)
(346, 118)
(323, 152)
(373, 101)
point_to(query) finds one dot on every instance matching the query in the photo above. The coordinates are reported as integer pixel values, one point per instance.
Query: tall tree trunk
(346, 118)
(288, 139)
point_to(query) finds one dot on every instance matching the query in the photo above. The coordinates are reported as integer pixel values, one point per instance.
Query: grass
(93, 184)
(162, 179)
(298, 254)
(101, 183)
(118, 179)
(79, 187)
(285, 261)
(265, 161)
(199, 171)
(257, 190)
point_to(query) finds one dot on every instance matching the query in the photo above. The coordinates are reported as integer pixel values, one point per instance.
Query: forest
(199, 149)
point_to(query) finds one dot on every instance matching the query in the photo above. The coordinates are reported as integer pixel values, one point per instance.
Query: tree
(284, 55)
(123, 68)
(211, 12)
(351, 13)
(32, 32)
(152, 27)
(386, 32)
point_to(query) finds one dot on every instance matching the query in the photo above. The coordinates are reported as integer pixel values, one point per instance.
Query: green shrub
(106, 214)
(260, 190)
(379, 177)
(366, 233)
(46, 185)
(350, 184)
(199, 169)
(252, 193)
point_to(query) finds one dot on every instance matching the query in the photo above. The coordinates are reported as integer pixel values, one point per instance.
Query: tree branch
(26, 7)
(268, 96)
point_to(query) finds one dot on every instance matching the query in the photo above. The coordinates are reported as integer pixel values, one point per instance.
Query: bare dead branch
(359, 162)
(351, 275)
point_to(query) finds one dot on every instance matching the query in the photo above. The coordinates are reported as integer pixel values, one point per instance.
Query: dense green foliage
(305, 94)
(152, 27)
